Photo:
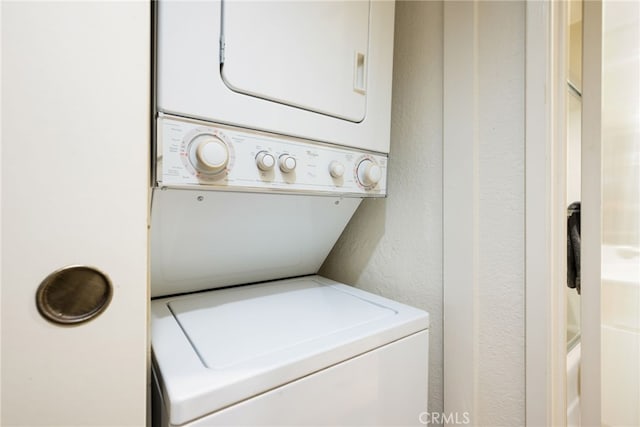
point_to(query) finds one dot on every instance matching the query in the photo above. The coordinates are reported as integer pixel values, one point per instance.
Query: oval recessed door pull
(74, 294)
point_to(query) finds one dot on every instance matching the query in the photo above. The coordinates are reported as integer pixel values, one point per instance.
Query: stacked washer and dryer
(273, 123)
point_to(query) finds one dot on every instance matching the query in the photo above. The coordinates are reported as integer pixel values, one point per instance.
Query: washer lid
(216, 348)
(235, 326)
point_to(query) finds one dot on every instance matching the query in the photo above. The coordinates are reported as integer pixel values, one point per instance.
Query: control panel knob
(287, 163)
(336, 169)
(368, 173)
(211, 154)
(265, 161)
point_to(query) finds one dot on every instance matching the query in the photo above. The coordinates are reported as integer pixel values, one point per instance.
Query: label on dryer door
(206, 156)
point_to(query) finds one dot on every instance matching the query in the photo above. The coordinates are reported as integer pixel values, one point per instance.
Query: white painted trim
(545, 224)
(460, 208)
(1, 210)
(591, 213)
(559, 105)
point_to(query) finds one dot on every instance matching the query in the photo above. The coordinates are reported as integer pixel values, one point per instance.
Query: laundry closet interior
(263, 191)
(265, 145)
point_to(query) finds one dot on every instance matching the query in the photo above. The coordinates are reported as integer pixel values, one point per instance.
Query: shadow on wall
(358, 242)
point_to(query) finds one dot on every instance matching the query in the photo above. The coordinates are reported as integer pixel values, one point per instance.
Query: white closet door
(75, 153)
(309, 54)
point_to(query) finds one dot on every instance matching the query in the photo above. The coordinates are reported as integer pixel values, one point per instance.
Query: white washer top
(282, 318)
(216, 348)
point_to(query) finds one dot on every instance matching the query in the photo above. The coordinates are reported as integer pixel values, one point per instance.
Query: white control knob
(287, 163)
(369, 173)
(265, 161)
(211, 155)
(336, 169)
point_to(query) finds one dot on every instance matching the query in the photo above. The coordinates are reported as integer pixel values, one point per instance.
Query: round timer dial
(368, 173)
(209, 154)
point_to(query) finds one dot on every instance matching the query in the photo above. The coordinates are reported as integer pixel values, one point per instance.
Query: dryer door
(311, 55)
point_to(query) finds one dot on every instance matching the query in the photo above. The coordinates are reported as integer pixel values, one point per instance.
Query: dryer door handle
(360, 73)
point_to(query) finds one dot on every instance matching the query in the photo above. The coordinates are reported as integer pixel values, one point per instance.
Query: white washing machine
(232, 347)
(272, 126)
(303, 351)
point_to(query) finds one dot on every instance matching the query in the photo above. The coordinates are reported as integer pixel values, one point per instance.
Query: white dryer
(319, 70)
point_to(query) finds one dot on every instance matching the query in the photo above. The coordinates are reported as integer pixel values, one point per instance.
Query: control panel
(218, 157)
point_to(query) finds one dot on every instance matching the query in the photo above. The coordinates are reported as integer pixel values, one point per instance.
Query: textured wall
(500, 221)
(397, 247)
(393, 247)
(484, 211)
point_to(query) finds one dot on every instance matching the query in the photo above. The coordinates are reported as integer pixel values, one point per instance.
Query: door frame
(591, 215)
(545, 212)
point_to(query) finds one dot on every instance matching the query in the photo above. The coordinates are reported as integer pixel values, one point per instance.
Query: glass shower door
(610, 371)
(620, 265)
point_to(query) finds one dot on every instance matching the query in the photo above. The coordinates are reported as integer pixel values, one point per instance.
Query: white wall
(484, 205)
(393, 247)
(500, 215)
(450, 236)
(621, 124)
